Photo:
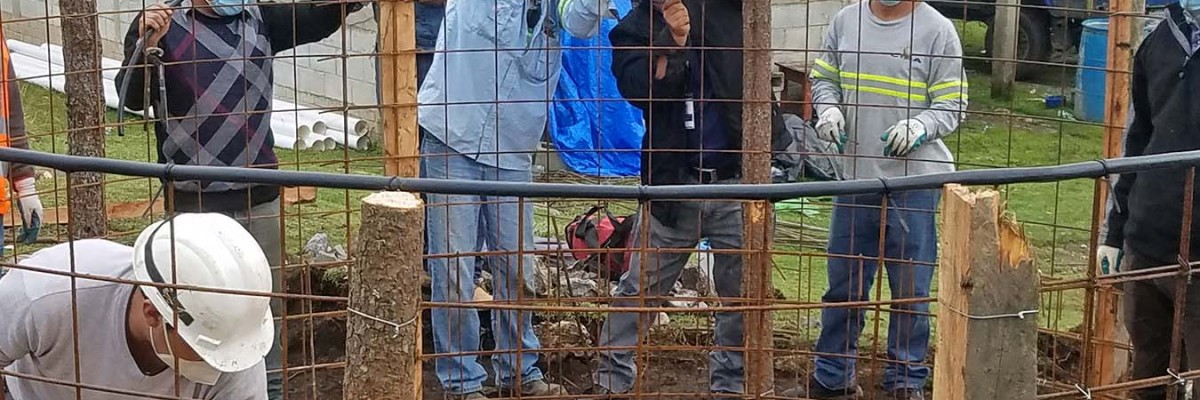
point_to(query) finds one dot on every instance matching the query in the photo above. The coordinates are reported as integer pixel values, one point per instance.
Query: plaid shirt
(219, 85)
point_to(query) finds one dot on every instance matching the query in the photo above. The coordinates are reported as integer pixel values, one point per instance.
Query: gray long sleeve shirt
(882, 72)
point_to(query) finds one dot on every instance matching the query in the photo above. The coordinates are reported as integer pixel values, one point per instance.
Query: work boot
(467, 396)
(816, 391)
(536, 388)
(908, 394)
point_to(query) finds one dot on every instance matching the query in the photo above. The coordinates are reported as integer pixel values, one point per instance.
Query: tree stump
(383, 325)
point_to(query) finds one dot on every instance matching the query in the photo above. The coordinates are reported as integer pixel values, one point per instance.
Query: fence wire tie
(1018, 315)
(1178, 379)
(396, 327)
(1087, 393)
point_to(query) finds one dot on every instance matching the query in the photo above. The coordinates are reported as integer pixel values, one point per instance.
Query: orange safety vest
(6, 80)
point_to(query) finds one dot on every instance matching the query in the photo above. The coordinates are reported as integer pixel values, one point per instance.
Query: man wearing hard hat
(133, 341)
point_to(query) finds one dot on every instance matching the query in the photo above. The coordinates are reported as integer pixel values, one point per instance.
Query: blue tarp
(601, 135)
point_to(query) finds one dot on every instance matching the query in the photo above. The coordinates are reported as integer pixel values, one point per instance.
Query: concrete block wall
(340, 70)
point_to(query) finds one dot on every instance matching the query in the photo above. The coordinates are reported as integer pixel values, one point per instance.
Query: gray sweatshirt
(882, 72)
(37, 332)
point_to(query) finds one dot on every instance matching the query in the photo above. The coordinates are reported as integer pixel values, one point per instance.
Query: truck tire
(1033, 41)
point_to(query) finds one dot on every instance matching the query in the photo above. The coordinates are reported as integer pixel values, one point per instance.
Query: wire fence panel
(641, 198)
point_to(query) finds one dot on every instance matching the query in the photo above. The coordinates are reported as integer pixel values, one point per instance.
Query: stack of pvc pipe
(294, 127)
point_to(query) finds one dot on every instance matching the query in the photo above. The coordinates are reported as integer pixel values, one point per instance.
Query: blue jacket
(429, 23)
(492, 105)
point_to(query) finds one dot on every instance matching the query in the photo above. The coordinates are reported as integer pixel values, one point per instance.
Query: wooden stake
(1004, 48)
(757, 216)
(383, 327)
(398, 56)
(85, 116)
(987, 286)
(1109, 363)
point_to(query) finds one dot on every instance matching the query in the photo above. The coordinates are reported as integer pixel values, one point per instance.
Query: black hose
(135, 61)
(996, 176)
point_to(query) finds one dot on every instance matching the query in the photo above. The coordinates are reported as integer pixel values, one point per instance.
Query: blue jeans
(452, 228)
(911, 234)
(721, 223)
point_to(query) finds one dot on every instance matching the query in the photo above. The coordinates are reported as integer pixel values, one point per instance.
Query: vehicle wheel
(1033, 41)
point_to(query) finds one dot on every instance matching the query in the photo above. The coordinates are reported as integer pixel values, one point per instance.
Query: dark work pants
(1149, 307)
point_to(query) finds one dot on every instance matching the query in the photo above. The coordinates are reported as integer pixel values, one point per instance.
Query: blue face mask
(893, 3)
(1190, 5)
(228, 8)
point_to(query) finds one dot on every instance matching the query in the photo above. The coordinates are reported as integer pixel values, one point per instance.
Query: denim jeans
(721, 223)
(452, 227)
(911, 234)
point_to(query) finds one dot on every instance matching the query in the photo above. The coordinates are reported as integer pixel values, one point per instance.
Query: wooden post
(1109, 363)
(987, 286)
(1004, 48)
(757, 216)
(85, 116)
(383, 324)
(398, 52)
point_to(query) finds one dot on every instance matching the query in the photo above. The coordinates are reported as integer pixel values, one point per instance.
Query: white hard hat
(230, 332)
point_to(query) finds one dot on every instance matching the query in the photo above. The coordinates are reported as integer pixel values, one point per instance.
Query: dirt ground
(667, 372)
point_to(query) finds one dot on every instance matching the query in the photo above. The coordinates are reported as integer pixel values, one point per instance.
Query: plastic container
(1090, 82)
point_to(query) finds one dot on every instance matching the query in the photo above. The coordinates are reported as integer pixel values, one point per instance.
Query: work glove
(677, 17)
(1109, 259)
(903, 138)
(30, 206)
(831, 127)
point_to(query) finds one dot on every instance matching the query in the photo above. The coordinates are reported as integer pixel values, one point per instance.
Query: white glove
(31, 210)
(1109, 259)
(903, 138)
(831, 127)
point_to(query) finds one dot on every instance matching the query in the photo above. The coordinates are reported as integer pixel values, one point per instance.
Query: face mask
(889, 3)
(1190, 5)
(228, 8)
(195, 371)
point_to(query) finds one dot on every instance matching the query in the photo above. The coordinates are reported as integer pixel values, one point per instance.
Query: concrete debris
(318, 249)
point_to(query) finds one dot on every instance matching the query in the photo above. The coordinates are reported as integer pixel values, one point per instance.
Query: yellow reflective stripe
(816, 74)
(828, 68)
(885, 92)
(884, 79)
(562, 8)
(947, 85)
(951, 96)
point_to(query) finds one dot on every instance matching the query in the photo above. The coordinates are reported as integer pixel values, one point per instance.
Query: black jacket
(1148, 205)
(715, 24)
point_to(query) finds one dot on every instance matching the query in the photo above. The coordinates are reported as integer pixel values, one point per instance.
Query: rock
(318, 249)
(566, 334)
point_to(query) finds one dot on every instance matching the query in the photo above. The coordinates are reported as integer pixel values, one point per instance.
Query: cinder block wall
(341, 71)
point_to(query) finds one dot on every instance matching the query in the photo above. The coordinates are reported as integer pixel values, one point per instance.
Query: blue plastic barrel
(1090, 84)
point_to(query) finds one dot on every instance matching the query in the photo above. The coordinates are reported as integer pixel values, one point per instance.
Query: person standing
(1144, 229)
(667, 62)
(219, 88)
(888, 86)
(484, 113)
(16, 178)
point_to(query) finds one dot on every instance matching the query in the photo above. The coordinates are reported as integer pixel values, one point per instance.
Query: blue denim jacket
(488, 93)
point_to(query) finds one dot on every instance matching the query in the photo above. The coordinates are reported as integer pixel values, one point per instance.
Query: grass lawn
(1056, 216)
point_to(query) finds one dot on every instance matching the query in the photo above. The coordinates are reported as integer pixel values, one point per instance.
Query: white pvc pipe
(339, 122)
(289, 142)
(326, 142)
(55, 52)
(356, 142)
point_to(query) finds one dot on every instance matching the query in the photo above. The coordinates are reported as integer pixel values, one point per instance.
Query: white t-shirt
(37, 335)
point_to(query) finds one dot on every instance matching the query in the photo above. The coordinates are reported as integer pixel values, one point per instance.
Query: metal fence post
(383, 323)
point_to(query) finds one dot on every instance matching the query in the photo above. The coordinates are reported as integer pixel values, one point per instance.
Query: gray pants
(263, 223)
(721, 223)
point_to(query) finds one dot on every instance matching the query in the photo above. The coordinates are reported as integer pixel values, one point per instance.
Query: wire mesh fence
(628, 115)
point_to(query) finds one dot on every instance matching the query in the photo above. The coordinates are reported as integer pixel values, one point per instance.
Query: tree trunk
(85, 115)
